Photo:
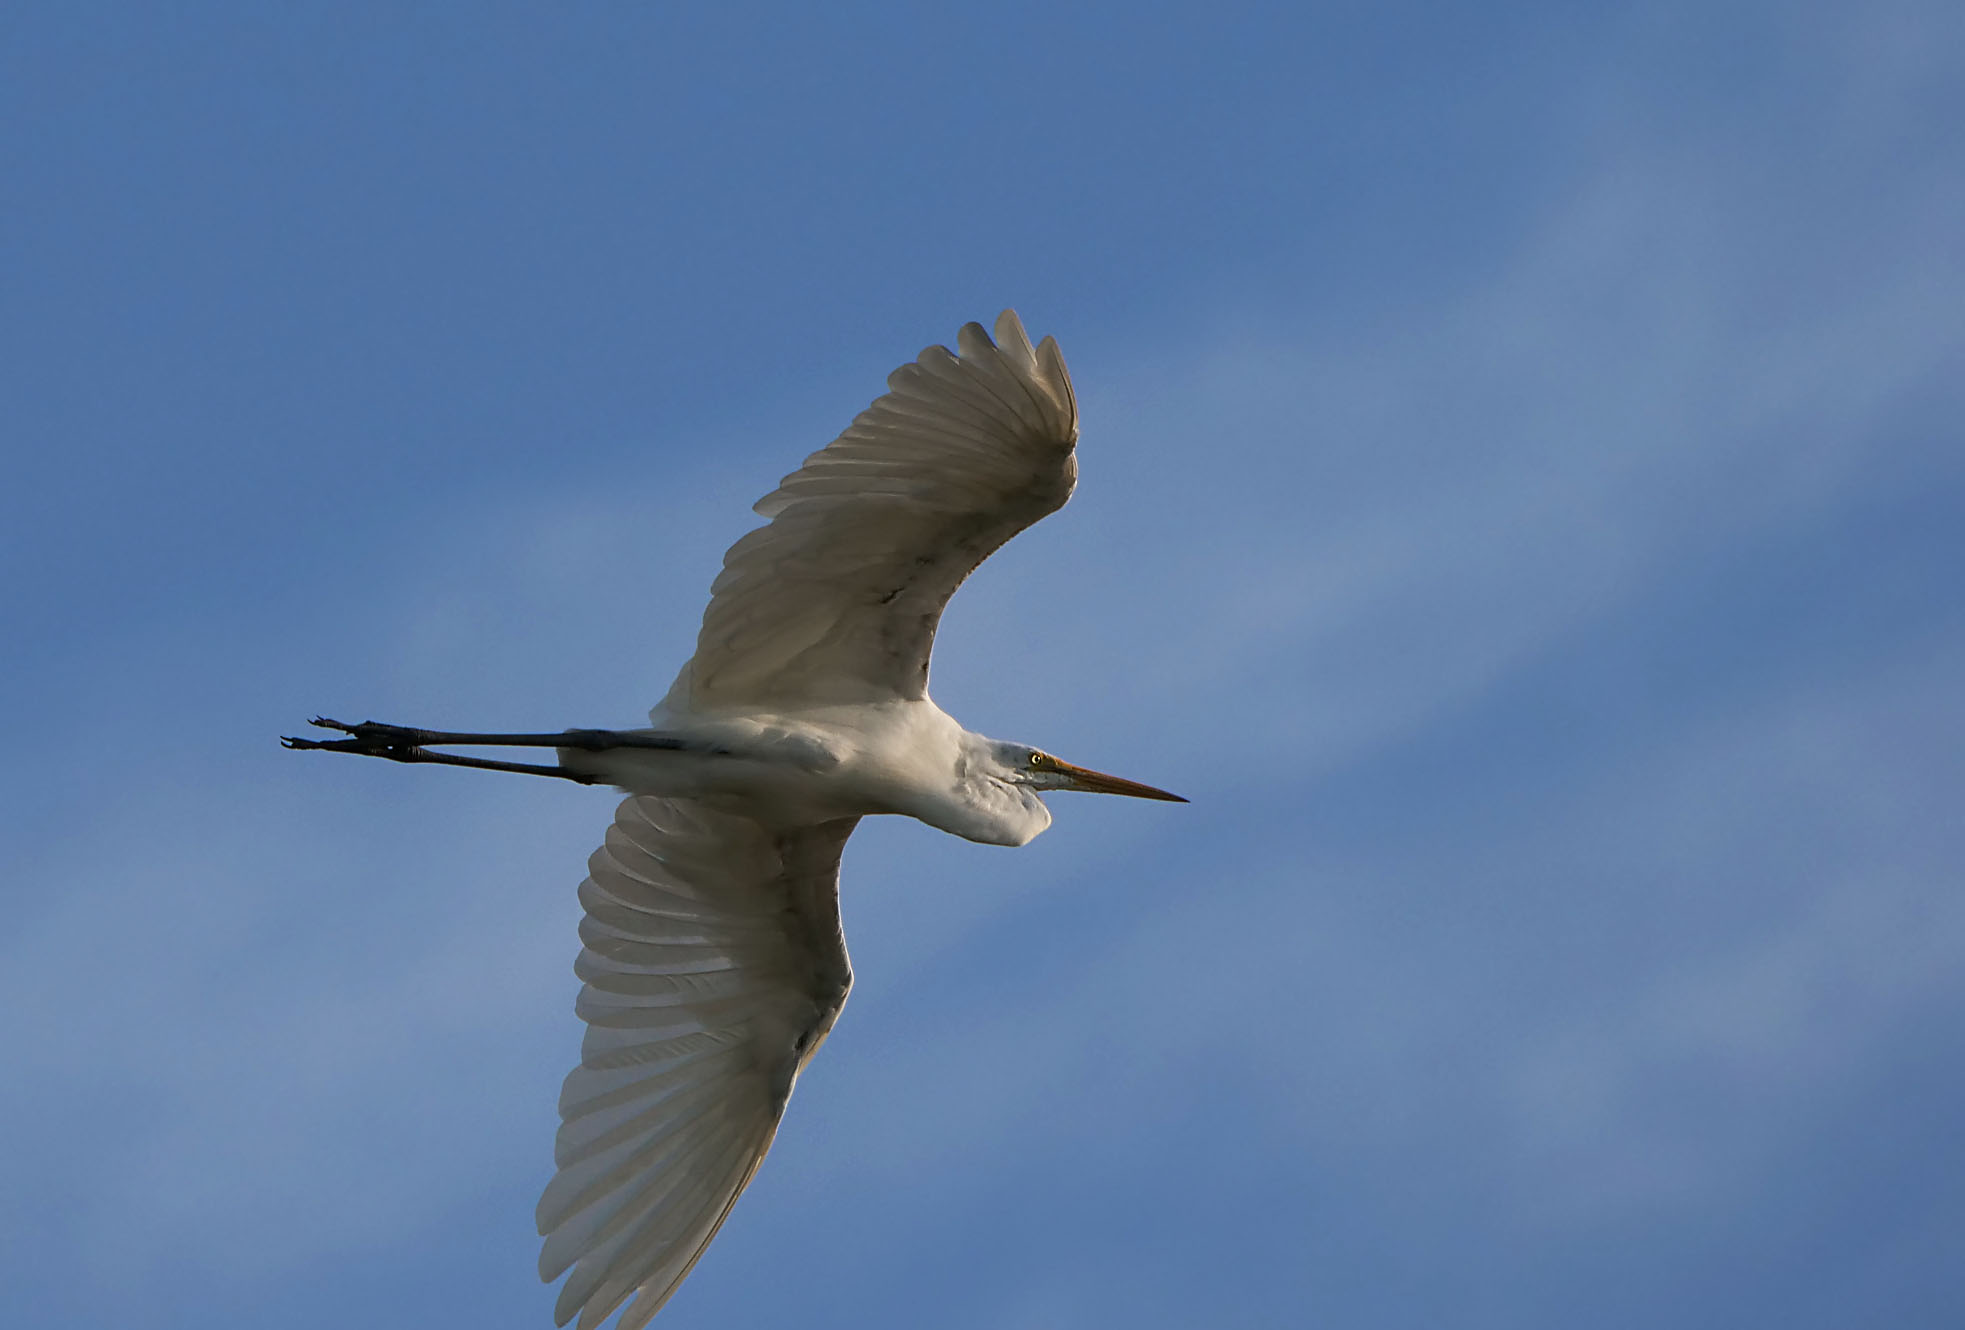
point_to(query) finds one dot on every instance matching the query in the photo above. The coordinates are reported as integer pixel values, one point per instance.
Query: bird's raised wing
(837, 599)
(714, 966)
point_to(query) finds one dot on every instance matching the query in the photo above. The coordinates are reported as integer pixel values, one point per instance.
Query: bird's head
(996, 801)
(1038, 770)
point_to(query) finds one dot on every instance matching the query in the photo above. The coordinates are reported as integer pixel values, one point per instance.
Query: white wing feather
(838, 598)
(714, 966)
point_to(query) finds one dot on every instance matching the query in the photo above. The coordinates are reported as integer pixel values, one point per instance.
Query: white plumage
(713, 958)
(836, 600)
(714, 966)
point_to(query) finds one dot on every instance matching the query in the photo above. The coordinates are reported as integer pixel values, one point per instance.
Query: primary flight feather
(712, 955)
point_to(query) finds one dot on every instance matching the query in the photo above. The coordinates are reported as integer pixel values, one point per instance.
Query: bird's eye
(1037, 761)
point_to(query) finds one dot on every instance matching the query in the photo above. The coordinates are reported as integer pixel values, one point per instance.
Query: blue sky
(1522, 504)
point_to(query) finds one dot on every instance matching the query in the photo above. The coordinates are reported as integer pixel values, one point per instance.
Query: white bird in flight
(713, 957)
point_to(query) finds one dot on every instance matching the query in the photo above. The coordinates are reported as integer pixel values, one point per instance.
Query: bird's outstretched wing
(714, 966)
(837, 599)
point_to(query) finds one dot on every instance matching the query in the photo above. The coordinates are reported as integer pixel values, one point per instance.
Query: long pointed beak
(1097, 782)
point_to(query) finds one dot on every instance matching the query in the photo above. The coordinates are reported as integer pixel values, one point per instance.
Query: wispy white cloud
(1728, 1051)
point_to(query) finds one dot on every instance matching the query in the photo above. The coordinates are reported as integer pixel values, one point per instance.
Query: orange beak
(1097, 782)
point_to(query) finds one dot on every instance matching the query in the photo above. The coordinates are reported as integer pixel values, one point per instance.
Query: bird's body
(713, 957)
(820, 763)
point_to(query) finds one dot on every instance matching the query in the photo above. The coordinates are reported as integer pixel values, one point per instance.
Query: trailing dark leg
(401, 743)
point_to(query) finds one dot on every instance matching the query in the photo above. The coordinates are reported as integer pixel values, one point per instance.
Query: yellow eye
(1037, 761)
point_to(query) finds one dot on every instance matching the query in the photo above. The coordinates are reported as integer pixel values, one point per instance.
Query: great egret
(713, 958)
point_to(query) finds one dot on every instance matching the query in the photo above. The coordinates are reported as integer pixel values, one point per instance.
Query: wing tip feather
(1011, 337)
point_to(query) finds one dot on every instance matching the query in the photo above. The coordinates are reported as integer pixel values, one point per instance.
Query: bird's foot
(370, 738)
